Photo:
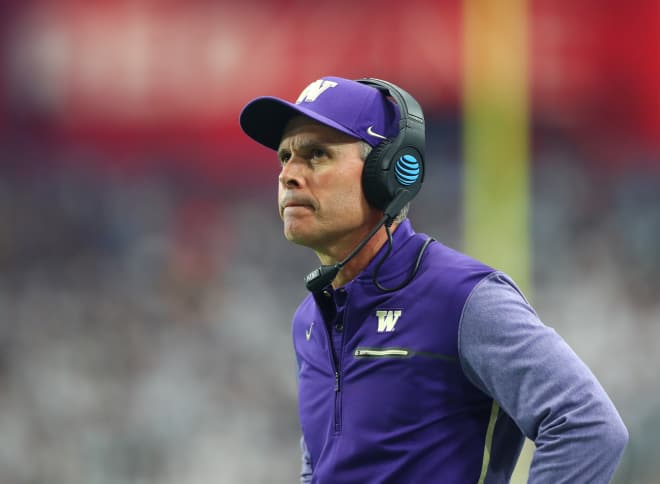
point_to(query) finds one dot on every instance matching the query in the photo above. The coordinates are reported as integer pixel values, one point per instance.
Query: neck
(361, 260)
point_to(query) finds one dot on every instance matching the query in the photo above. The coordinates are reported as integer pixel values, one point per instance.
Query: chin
(299, 237)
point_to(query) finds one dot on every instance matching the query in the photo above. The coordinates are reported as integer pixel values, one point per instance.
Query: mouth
(296, 204)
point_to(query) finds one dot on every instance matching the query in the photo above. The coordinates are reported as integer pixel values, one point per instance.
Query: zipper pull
(336, 381)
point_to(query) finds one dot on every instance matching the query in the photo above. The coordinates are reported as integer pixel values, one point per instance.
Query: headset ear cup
(394, 170)
(374, 178)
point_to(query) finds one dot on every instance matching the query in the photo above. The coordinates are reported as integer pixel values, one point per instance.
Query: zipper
(381, 352)
(335, 362)
(335, 368)
(338, 381)
(337, 404)
(335, 365)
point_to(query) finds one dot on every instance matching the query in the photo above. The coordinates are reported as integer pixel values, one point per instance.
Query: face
(320, 190)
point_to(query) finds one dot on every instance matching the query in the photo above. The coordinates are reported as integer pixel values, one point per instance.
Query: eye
(318, 153)
(284, 156)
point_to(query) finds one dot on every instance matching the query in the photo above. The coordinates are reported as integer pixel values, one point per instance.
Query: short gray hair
(365, 150)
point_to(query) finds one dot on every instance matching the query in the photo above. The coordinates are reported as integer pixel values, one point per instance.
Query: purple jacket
(440, 381)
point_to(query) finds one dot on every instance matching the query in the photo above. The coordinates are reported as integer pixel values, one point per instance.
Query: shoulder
(452, 272)
(442, 256)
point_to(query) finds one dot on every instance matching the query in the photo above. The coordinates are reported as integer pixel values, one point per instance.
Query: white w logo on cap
(314, 90)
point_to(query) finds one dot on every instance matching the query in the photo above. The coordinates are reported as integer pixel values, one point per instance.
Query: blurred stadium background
(145, 287)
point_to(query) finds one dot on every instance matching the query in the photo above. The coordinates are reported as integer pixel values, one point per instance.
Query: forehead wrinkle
(294, 143)
(299, 142)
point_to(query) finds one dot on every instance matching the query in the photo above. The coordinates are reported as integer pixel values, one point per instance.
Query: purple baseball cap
(349, 106)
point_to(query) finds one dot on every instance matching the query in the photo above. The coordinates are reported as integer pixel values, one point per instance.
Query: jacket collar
(397, 260)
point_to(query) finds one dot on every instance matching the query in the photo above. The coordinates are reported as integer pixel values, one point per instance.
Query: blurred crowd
(146, 290)
(144, 329)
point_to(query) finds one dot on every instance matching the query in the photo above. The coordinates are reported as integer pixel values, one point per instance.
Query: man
(416, 363)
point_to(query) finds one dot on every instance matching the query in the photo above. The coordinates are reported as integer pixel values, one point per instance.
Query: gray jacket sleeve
(537, 379)
(306, 464)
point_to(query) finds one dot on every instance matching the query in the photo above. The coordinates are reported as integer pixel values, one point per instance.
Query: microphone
(324, 275)
(321, 277)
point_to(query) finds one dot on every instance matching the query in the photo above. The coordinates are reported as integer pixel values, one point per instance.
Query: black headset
(394, 170)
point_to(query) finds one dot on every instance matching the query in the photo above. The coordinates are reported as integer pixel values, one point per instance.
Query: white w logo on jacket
(387, 320)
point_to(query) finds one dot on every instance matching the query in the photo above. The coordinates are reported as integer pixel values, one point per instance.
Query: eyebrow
(304, 145)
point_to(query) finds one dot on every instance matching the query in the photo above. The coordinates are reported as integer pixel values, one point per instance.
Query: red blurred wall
(156, 77)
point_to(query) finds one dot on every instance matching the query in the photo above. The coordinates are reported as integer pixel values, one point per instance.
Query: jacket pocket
(365, 352)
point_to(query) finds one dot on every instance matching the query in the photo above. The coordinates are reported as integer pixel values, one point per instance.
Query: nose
(292, 174)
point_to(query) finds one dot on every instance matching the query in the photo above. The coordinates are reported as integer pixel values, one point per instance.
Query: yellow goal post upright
(496, 144)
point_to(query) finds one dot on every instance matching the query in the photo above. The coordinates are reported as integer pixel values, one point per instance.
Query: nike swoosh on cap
(370, 132)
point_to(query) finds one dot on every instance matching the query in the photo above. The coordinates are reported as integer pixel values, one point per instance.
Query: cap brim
(265, 118)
